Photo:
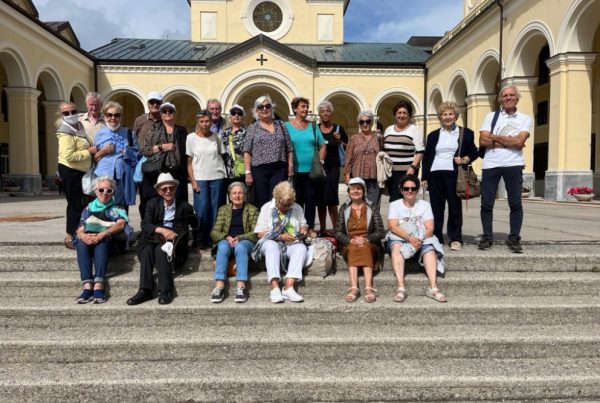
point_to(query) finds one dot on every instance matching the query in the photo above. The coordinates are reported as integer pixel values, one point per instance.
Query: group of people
(225, 160)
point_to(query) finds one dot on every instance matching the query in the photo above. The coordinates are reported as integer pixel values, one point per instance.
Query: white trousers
(296, 253)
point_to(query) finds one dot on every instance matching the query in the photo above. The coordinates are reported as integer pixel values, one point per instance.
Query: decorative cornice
(341, 71)
(118, 68)
(571, 58)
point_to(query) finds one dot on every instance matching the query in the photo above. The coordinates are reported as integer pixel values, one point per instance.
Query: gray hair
(100, 179)
(261, 100)
(93, 95)
(445, 106)
(507, 86)
(214, 101)
(237, 184)
(368, 114)
(112, 105)
(325, 105)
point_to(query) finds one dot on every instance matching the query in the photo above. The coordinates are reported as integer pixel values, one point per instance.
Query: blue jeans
(98, 255)
(206, 205)
(242, 251)
(513, 180)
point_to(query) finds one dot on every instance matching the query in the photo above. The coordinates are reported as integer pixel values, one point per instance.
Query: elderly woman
(268, 151)
(410, 223)
(335, 138)
(361, 154)
(233, 145)
(207, 174)
(306, 137)
(120, 163)
(281, 227)
(75, 152)
(440, 165)
(164, 242)
(168, 138)
(103, 231)
(233, 233)
(359, 233)
(403, 142)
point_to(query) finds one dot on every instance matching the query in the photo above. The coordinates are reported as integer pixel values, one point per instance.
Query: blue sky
(97, 22)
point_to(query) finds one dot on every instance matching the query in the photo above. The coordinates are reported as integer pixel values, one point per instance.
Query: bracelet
(248, 172)
(413, 167)
(159, 147)
(322, 161)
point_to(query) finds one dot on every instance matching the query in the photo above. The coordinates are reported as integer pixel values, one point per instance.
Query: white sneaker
(455, 245)
(291, 295)
(276, 296)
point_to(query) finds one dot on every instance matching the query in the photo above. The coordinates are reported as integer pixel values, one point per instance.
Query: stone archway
(458, 93)
(345, 111)
(51, 94)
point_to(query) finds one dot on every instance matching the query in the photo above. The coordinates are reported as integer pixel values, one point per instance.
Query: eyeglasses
(264, 107)
(70, 113)
(236, 113)
(409, 188)
(166, 189)
(112, 115)
(365, 122)
(108, 191)
(168, 111)
(155, 102)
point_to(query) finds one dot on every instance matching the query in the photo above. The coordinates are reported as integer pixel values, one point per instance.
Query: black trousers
(442, 190)
(151, 255)
(266, 177)
(307, 193)
(71, 184)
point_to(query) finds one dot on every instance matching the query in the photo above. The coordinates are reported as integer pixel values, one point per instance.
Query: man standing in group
(92, 120)
(503, 134)
(218, 123)
(141, 127)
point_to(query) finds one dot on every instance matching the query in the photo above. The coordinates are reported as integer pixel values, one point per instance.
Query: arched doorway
(345, 112)
(385, 109)
(458, 93)
(132, 106)
(47, 107)
(187, 108)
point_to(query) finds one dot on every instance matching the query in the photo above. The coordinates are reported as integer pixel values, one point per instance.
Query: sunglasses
(236, 113)
(112, 115)
(70, 113)
(108, 191)
(409, 188)
(265, 107)
(155, 102)
(168, 111)
(167, 189)
(365, 122)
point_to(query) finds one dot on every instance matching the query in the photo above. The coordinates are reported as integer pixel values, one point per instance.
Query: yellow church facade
(242, 49)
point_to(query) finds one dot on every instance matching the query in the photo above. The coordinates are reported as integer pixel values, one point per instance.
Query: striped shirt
(402, 145)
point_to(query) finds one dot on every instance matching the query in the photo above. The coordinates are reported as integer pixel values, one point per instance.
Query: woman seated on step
(410, 223)
(103, 232)
(233, 234)
(281, 227)
(359, 232)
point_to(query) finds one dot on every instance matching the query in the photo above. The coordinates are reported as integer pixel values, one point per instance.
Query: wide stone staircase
(516, 327)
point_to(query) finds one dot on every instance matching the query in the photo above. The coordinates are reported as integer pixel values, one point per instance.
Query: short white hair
(261, 100)
(507, 86)
(100, 179)
(368, 114)
(325, 105)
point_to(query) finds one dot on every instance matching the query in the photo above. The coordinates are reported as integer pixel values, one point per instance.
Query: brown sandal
(370, 294)
(352, 295)
(69, 242)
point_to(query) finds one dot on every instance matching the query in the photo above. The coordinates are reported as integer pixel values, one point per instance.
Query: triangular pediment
(257, 42)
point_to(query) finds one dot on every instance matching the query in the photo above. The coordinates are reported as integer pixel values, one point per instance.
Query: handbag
(341, 150)
(467, 183)
(239, 169)
(317, 172)
(154, 163)
(88, 182)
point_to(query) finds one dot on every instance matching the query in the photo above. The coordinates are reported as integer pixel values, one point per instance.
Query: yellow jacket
(73, 151)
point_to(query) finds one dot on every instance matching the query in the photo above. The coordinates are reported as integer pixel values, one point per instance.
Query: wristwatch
(248, 172)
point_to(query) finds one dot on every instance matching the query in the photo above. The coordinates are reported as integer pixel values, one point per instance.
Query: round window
(267, 16)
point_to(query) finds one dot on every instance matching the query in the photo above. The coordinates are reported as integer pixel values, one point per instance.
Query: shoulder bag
(317, 172)
(154, 163)
(467, 183)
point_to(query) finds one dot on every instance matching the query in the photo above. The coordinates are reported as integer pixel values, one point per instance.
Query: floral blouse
(237, 141)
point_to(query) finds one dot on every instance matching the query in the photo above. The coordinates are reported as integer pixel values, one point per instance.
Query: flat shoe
(370, 294)
(69, 242)
(99, 296)
(436, 294)
(400, 295)
(85, 297)
(352, 295)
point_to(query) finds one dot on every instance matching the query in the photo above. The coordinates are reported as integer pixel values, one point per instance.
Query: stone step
(329, 310)
(67, 284)
(537, 258)
(274, 379)
(380, 341)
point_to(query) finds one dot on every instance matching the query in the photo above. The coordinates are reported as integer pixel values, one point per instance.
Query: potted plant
(10, 185)
(525, 191)
(581, 193)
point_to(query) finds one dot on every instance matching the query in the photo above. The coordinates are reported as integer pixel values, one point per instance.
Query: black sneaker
(217, 295)
(241, 295)
(485, 244)
(514, 246)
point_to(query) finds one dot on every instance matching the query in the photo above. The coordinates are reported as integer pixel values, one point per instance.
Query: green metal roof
(168, 51)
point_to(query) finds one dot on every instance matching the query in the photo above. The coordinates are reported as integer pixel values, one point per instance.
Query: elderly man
(164, 242)
(217, 122)
(144, 122)
(92, 120)
(503, 135)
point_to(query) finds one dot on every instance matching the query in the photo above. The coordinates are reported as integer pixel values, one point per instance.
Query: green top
(223, 222)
